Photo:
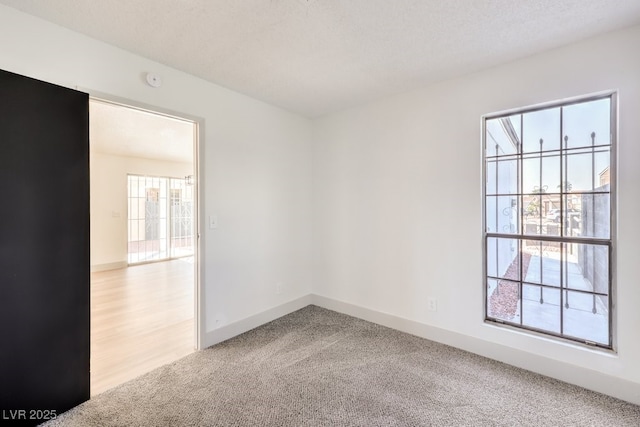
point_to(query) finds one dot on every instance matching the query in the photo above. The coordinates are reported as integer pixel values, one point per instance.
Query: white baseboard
(583, 377)
(109, 266)
(241, 326)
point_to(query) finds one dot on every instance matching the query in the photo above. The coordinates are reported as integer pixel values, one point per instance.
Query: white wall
(397, 206)
(395, 215)
(255, 162)
(108, 174)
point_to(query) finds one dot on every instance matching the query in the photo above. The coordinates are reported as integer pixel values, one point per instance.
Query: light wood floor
(141, 318)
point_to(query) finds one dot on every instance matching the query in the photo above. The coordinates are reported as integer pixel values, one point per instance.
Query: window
(160, 218)
(549, 199)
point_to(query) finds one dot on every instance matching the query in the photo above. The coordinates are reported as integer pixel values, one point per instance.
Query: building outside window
(549, 199)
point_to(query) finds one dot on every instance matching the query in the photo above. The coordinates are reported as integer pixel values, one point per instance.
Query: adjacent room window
(160, 217)
(549, 199)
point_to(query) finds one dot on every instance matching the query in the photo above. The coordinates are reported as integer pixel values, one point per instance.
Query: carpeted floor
(316, 367)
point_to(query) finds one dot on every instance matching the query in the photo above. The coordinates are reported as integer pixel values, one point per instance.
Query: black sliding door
(44, 248)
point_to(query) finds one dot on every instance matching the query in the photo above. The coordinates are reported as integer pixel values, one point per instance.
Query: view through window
(160, 216)
(549, 180)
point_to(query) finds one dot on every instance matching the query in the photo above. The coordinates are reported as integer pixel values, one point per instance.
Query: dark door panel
(44, 247)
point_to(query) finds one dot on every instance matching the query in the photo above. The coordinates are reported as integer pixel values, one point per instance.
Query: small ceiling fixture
(153, 80)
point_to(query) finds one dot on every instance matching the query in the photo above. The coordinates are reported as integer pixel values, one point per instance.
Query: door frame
(198, 152)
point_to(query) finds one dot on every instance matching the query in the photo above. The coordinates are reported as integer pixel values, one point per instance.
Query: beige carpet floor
(316, 367)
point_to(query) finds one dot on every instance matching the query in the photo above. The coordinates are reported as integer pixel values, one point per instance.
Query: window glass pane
(542, 214)
(542, 124)
(492, 257)
(502, 214)
(507, 177)
(572, 220)
(503, 135)
(162, 208)
(551, 174)
(579, 172)
(492, 177)
(541, 175)
(541, 308)
(142, 186)
(602, 175)
(586, 316)
(531, 182)
(506, 258)
(590, 217)
(503, 300)
(550, 228)
(133, 186)
(531, 207)
(581, 120)
(586, 267)
(541, 262)
(162, 183)
(532, 226)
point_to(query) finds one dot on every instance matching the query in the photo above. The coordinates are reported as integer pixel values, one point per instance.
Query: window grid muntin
(564, 193)
(167, 244)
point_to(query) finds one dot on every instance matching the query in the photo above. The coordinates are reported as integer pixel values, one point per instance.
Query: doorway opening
(144, 257)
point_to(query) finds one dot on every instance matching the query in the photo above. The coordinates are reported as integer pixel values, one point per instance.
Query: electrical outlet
(432, 304)
(279, 287)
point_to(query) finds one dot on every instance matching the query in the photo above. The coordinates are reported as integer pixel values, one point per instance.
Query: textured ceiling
(318, 56)
(129, 132)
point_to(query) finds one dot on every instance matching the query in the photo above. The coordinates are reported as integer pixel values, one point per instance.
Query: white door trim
(199, 132)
